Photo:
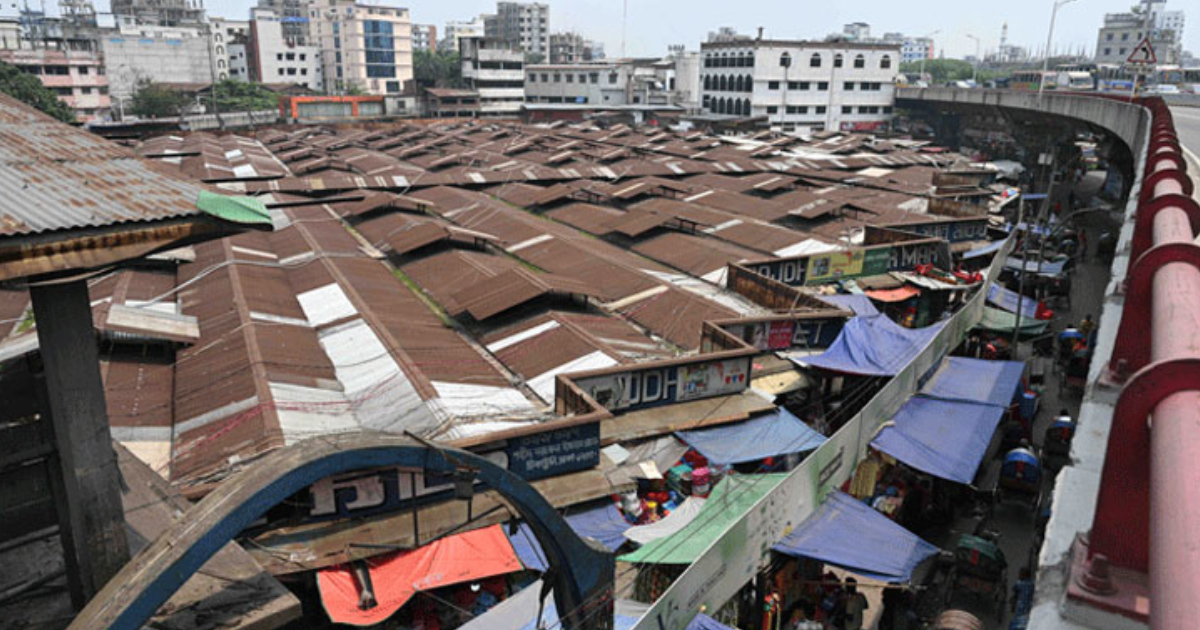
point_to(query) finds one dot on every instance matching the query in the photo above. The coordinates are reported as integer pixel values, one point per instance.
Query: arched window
(708, 82)
(741, 84)
(837, 60)
(708, 61)
(720, 106)
(724, 60)
(860, 61)
(750, 60)
(749, 83)
(886, 62)
(721, 84)
(217, 36)
(815, 61)
(785, 60)
(220, 64)
(745, 107)
(220, 51)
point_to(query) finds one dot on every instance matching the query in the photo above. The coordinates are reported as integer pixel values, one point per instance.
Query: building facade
(160, 12)
(523, 25)
(368, 46)
(137, 54)
(647, 82)
(574, 48)
(76, 77)
(293, 15)
(424, 37)
(495, 69)
(914, 49)
(226, 35)
(1122, 32)
(801, 86)
(273, 58)
(457, 30)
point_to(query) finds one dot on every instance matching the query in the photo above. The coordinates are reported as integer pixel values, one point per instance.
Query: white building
(857, 31)
(364, 45)
(135, 54)
(524, 25)
(225, 35)
(1122, 32)
(276, 59)
(915, 49)
(239, 63)
(649, 82)
(801, 86)
(496, 70)
(424, 37)
(457, 30)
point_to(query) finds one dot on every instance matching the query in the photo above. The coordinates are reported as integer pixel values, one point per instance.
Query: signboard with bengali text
(657, 384)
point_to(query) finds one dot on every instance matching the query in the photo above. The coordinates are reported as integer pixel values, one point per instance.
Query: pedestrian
(1087, 325)
(1083, 245)
(893, 601)
(855, 605)
(1022, 600)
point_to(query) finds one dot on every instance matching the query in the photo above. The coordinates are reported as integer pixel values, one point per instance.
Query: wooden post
(91, 479)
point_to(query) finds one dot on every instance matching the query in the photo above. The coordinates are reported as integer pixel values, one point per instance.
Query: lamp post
(975, 68)
(1049, 39)
(926, 55)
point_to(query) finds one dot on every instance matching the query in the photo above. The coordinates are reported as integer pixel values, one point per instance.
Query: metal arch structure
(581, 573)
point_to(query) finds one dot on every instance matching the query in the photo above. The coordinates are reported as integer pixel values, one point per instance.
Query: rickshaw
(1020, 478)
(1074, 373)
(1056, 442)
(980, 570)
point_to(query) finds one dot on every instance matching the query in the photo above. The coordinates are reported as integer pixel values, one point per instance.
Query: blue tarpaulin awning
(990, 248)
(976, 380)
(873, 346)
(703, 622)
(945, 438)
(1008, 301)
(603, 523)
(860, 304)
(847, 533)
(529, 552)
(770, 435)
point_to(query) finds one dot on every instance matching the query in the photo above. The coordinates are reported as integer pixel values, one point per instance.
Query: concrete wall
(129, 59)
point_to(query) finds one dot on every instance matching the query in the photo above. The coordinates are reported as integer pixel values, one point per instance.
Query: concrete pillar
(90, 477)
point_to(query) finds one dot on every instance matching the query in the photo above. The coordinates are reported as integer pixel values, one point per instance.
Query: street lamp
(1049, 38)
(975, 69)
(926, 55)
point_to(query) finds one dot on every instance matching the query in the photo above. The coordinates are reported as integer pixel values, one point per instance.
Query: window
(1124, 37)
(772, 109)
(866, 87)
(593, 77)
(557, 78)
(846, 109)
(303, 56)
(83, 70)
(291, 72)
(379, 49)
(583, 78)
(570, 78)
(1108, 38)
(304, 72)
(290, 56)
(803, 109)
(545, 78)
(785, 60)
(860, 61)
(1107, 51)
(393, 87)
(1121, 51)
(886, 62)
(805, 85)
(532, 78)
(612, 78)
(814, 61)
(278, 56)
(280, 71)
(887, 109)
(848, 86)
(772, 85)
(792, 109)
(793, 85)
(837, 60)
(822, 86)
(820, 109)
(706, 100)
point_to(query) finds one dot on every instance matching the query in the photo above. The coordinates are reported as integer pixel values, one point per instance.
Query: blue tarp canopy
(770, 435)
(873, 346)
(1008, 300)
(990, 248)
(945, 438)
(703, 622)
(603, 523)
(860, 304)
(848, 533)
(1048, 268)
(976, 380)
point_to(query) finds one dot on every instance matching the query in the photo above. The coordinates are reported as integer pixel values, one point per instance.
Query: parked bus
(1030, 80)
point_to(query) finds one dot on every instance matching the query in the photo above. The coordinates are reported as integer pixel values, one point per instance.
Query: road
(1187, 126)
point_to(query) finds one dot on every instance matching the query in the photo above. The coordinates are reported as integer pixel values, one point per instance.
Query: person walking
(855, 606)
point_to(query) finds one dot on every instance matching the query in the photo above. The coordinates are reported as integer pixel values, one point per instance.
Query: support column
(91, 479)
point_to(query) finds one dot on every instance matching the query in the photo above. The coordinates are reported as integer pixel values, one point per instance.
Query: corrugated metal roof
(512, 288)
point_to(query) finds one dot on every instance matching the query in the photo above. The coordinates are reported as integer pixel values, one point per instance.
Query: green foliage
(943, 70)
(353, 89)
(28, 89)
(534, 58)
(238, 96)
(441, 69)
(156, 101)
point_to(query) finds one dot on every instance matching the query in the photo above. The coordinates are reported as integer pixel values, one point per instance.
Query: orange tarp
(466, 557)
(893, 295)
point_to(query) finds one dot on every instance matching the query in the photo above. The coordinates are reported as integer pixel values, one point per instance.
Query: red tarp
(893, 295)
(466, 557)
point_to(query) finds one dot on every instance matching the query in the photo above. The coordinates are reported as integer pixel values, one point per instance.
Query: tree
(28, 89)
(238, 96)
(353, 89)
(441, 69)
(943, 70)
(155, 101)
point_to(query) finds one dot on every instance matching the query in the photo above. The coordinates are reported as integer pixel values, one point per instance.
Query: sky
(653, 25)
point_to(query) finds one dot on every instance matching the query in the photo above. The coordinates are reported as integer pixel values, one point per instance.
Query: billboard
(955, 231)
(657, 384)
(786, 334)
(871, 260)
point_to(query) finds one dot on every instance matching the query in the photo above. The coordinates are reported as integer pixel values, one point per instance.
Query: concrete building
(293, 15)
(687, 78)
(574, 48)
(424, 37)
(495, 69)
(273, 58)
(364, 45)
(135, 54)
(622, 82)
(160, 12)
(226, 34)
(801, 86)
(1122, 32)
(457, 30)
(914, 49)
(857, 31)
(524, 25)
(726, 34)
(75, 76)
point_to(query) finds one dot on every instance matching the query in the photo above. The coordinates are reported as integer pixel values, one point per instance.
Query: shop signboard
(661, 383)
(906, 256)
(557, 452)
(788, 334)
(956, 231)
(862, 261)
(735, 557)
(835, 266)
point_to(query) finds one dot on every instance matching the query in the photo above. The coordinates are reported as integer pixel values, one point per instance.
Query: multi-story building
(363, 45)
(273, 58)
(424, 37)
(524, 25)
(857, 31)
(1122, 32)
(136, 54)
(75, 76)
(687, 78)
(647, 82)
(574, 48)
(226, 35)
(726, 34)
(160, 12)
(293, 15)
(456, 30)
(914, 49)
(799, 85)
(495, 69)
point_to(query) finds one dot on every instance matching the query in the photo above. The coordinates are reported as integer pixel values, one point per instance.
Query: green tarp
(998, 320)
(729, 502)
(245, 210)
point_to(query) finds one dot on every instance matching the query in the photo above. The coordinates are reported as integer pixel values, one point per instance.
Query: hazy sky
(655, 24)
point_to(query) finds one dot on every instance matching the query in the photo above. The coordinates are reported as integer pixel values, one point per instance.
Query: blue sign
(555, 452)
(953, 231)
(657, 384)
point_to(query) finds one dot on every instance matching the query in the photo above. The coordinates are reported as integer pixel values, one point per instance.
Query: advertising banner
(657, 384)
